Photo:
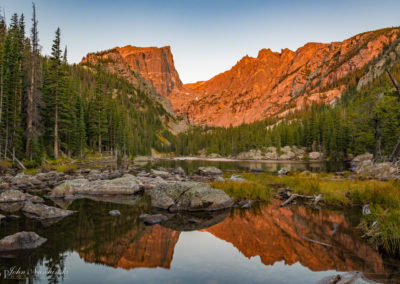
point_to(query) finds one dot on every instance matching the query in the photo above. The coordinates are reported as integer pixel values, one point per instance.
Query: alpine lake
(264, 244)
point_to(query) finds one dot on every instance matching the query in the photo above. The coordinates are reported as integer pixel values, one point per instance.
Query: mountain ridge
(270, 85)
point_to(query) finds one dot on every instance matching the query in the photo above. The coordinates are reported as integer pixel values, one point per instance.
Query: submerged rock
(189, 196)
(41, 211)
(153, 219)
(21, 241)
(189, 221)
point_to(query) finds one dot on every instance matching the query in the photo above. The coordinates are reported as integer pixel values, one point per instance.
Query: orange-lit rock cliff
(271, 84)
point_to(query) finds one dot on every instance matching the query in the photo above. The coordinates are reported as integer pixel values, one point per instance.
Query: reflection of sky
(199, 257)
(206, 36)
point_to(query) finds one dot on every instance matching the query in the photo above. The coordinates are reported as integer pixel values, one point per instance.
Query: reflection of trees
(89, 230)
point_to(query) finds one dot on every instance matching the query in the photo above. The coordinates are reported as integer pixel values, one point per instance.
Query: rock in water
(114, 213)
(153, 219)
(209, 171)
(12, 195)
(189, 196)
(41, 211)
(180, 171)
(126, 185)
(21, 241)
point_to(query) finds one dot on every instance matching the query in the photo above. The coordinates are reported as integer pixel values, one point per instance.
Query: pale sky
(206, 36)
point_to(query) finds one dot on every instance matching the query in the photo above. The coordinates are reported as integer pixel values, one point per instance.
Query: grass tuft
(244, 190)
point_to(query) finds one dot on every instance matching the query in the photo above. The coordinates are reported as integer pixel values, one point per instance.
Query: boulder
(69, 187)
(189, 196)
(180, 171)
(251, 155)
(286, 149)
(214, 156)
(315, 156)
(4, 186)
(153, 219)
(41, 211)
(289, 155)
(271, 149)
(189, 221)
(125, 185)
(11, 206)
(209, 171)
(21, 241)
(2, 217)
(271, 156)
(361, 158)
(160, 173)
(12, 195)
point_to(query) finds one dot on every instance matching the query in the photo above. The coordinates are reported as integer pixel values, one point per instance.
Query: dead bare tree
(395, 154)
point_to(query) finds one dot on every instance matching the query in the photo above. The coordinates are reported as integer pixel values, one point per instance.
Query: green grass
(31, 171)
(4, 165)
(336, 191)
(244, 190)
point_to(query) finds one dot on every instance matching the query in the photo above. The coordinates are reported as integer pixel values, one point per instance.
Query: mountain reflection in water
(287, 241)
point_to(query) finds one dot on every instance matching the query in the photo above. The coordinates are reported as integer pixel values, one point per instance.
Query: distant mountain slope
(150, 68)
(270, 85)
(274, 83)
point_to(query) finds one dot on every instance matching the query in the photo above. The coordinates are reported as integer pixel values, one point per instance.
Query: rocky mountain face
(148, 68)
(270, 85)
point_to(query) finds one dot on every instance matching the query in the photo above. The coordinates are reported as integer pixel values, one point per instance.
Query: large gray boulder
(315, 156)
(271, 156)
(251, 155)
(189, 196)
(41, 211)
(12, 195)
(209, 171)
(21, 241)
(125, 185)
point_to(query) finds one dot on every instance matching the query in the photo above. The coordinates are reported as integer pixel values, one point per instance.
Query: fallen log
(289, 200)
(290, 197)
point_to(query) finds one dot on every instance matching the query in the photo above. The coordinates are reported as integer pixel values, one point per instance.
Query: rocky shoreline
(273, 154)
(170, 191)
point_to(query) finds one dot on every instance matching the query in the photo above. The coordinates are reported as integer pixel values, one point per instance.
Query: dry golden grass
(244, 190)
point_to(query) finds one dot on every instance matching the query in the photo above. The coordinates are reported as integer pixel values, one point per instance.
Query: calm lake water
(246, 166)
(266, 244)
